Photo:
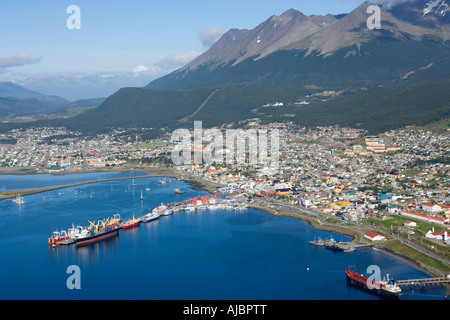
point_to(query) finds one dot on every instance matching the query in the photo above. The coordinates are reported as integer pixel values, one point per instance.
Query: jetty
(334, 245)
(424, 283)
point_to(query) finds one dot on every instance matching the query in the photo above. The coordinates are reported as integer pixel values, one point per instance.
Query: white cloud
(209, 35)
(177, 60)
(140, 68)
(17, 60)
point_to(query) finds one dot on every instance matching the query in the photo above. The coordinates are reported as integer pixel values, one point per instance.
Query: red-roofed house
(438, 220)
(439, 235)
(373, 236)
(416, 215)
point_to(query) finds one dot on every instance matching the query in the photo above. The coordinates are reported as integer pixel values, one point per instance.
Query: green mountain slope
(376, 109)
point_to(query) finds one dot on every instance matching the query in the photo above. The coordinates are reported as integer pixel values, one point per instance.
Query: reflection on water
(187, 255)
(87, 254)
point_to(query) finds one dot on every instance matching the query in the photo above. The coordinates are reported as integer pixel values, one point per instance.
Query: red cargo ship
(385, 288)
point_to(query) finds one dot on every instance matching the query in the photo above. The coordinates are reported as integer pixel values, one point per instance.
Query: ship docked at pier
(108, 228)
(104, 229)
(95, 236)
(386, 288)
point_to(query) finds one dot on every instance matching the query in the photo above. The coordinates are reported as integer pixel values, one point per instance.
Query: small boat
(162, 181)
(142, 197)
(18, 199)
(319, 242)
(132, 223)
(57, 237)
(133, 184)
(161, 209)
(151, 216)
(341, 247)
(178, 191)
(80, 233)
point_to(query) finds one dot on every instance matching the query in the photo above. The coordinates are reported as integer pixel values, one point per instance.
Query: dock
(424, 283)
(339, 246)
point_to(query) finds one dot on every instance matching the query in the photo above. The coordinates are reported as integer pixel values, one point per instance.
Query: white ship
(18, 200)
(151, 216)
(161, 210)
(189, 208)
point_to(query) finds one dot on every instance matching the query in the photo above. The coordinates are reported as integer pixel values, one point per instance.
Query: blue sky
(120, 35)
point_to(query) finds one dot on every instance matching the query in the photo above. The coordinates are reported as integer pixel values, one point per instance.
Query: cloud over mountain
(17, 60)
(177, 60)
(209, 35)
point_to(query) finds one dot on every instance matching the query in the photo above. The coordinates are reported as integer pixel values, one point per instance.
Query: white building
(429, 207)
(410, 224)
(373, 236)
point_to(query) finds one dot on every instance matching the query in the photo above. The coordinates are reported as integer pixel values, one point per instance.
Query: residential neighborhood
(341, 172)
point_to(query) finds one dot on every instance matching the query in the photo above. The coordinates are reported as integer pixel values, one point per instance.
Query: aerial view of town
(239, 156)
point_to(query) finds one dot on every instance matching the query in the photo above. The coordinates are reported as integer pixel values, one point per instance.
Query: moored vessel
(58, 237)
(151, 216)
(319, 242)
(386, 288)
(104, 229)
(132, 223)
(161, 210)
(96, 237)
(18, 199)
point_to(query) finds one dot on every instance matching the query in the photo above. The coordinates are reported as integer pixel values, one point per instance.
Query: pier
(339, 246)
(424, 283)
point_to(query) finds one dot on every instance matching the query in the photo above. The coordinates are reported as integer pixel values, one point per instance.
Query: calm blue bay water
(14, 182)
(216, 255)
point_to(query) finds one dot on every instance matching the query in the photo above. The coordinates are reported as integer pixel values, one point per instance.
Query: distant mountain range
(84, 85)
(9, 89)
(325, 70)
(17, 101)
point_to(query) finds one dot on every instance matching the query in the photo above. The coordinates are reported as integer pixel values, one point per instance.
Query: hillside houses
(392, 173)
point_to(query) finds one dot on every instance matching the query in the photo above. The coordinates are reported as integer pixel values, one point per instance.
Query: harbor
(109, 227)
(205, 234)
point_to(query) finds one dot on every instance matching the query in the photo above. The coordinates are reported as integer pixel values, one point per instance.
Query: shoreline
(201, 185)
(310, 221)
